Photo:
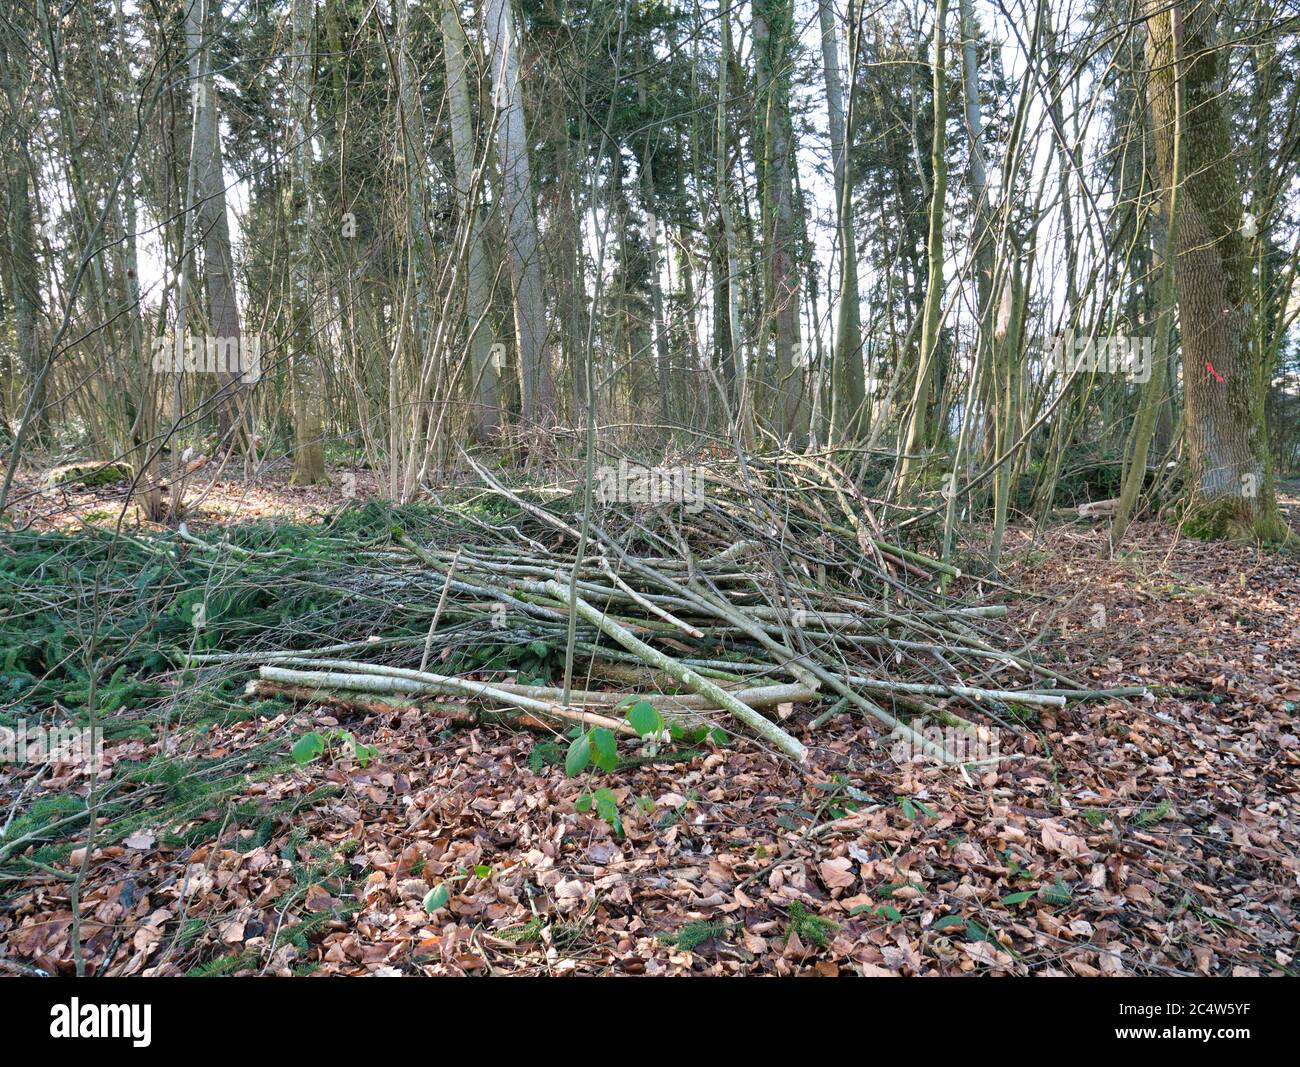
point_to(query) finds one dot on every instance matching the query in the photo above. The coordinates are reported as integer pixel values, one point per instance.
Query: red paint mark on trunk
(1210, 367)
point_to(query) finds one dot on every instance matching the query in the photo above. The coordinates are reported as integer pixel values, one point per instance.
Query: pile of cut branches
(772, 585)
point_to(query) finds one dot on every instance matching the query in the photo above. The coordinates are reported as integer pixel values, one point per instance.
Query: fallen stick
(763, 696)
(265, 689)
(460, 714)
(770, 732)
(654, 609)
(372, 678)
(973, 692)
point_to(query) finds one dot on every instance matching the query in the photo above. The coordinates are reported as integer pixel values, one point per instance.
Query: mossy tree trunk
(773, 142)
(1230, 483)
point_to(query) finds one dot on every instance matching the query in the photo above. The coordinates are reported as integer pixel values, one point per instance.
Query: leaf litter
(1149, 836)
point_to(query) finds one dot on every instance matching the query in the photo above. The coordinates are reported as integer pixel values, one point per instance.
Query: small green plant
(437, 897)
(807, 926)
(673, 815)
(959, 925)
(1057, 894)
(1014, 869)
(440, 895)
(1096, 816)
(598, 748)
(529, 931)
(911, 806)
(883, 911)
(1022, 712)
(605, 804)
(843, 797)
(696, 932)
(313, 745)
(1153, 815)
(544, 754)
(224, 965)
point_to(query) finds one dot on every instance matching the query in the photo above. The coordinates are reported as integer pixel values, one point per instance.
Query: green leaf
(583, 804)
(308, 747)
(604, 748)
(911, 806)
(1017, 898)
(889, 914)
(947, 921)
(436, 898)
(483, 870)
(1058, 894)
(645, 719)
(607, 805)
(579, 756)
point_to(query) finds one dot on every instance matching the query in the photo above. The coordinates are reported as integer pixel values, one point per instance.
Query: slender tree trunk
(739, 378)
(1144, 422)
(307, 383)
(22, 274)
(145, 420)
(977, 180)
(648, 200)
(537, 389)
(482, 336)
(917, 434)
(213, 226)
(848, 384)
(1006, 349)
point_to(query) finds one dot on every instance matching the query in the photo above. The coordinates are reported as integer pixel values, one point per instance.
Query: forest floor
(1152, 836)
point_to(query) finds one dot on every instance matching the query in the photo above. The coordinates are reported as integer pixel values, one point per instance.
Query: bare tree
(537, 389)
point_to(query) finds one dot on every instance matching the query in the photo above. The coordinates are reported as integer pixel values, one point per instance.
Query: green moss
(90, 473)
(1231, 520)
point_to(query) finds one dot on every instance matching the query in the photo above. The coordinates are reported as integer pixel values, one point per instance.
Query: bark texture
(1230, 490)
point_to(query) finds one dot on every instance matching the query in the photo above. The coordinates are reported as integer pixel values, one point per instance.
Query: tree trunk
(23, 280)
(733, 355)
(848, 384)
(648, 201)
(916, 430)
(774, 144)
(307, 382)
(213, 227)
(1231, 490)
(537, 389)
(482, 336)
